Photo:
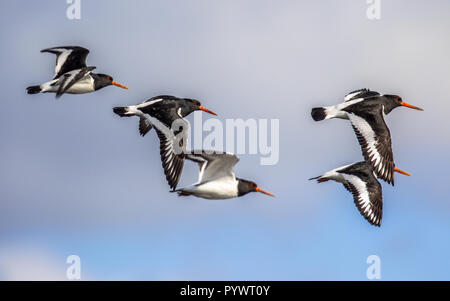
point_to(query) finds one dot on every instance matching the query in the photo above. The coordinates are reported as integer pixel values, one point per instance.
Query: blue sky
(76, 179)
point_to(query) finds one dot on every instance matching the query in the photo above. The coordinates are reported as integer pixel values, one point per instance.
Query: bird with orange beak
(366, 109)
(72, 76)
(166, 114)
(361, 181)
(216, 177)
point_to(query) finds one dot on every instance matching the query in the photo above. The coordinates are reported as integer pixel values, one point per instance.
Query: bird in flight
(72, 75)
(366, 110)
(216, 177)
(361, 181)
(166, 114)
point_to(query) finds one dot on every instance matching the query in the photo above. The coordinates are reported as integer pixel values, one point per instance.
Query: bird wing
(144, 125)
(172, 147)
(213, 165)
(68, 58)
(361, 93)
(68, 79)
(375, 140)
(367, 197)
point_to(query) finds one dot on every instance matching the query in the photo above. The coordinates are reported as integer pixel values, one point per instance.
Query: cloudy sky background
(76, 179)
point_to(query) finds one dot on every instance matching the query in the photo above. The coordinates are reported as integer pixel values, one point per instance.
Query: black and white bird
(216, 177)
(165, 113)
(72, 75)
(366, 110)
(361, 181)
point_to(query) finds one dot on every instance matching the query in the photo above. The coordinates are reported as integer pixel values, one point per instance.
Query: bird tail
(320, 179)
(182, 192)
(123, 111)
(318, 114)
(34, 89)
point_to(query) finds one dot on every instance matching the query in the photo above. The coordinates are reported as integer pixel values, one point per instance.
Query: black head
(190, 105)
(393, 101)
(245, 187)
(103, 80)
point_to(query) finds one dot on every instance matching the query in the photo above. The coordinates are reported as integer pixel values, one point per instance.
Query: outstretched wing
(68, 79)
(144, 125)
(375, 140)
(213, 165)
(361, 93)
(173, 143)
(367, 197)
(68, 58)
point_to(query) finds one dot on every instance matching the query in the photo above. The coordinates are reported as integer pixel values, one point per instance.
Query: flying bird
(166, 114)
(366, 109)
(361, 181)
(72, 75)
(216, 177)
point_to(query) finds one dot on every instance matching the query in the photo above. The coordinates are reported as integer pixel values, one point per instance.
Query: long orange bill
(206, 110)
(119, 85)
(410, 106)
(402, 172)
(263, 191)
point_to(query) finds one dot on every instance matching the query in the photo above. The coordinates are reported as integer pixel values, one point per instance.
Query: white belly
(84, 85)
(215, 190)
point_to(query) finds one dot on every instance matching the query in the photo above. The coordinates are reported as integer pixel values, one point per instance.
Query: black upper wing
(68, 58)
(361, 93)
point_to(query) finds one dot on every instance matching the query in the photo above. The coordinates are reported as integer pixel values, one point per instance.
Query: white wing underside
(369, 136)
(215, 166)
(363, 197)
(173, 147)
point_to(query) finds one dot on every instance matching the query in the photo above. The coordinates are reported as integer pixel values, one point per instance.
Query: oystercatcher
(361, 181)
(216, 177)
(366, 109)
(165, 113)
(72, 75)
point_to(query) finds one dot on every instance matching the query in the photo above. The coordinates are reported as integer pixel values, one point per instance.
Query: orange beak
(410, 106)
(119, 85)
(402, 172)
(263, 191)
(206, 110)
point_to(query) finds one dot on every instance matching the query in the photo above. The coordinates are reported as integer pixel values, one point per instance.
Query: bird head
(394, 101)
(103, 80)
(191, 105)
(245, 186)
